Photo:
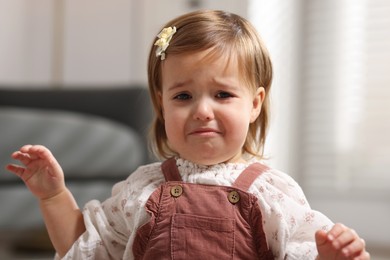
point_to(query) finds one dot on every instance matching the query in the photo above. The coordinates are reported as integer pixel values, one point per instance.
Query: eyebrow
(179, 84)
(231, 84)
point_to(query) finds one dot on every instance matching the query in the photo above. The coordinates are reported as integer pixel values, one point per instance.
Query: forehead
(199, 66)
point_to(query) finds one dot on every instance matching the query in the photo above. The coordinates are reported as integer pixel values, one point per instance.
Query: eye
(224, 95)
(182, 96)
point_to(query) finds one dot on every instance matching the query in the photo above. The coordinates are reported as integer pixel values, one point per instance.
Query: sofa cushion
(86, 146)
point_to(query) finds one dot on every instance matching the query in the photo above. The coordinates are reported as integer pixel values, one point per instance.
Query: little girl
(212, 197)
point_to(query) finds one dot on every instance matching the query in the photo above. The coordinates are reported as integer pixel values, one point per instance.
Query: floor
(36, 246)
(25, 245)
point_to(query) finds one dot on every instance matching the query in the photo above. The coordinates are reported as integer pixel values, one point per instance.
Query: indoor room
(73, 77)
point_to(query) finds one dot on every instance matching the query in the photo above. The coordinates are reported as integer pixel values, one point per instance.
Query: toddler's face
(206, 107)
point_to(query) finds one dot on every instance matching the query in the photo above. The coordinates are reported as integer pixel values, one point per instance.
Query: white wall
(85, 42)
(71, 42)
(97, 42)
(25, 41)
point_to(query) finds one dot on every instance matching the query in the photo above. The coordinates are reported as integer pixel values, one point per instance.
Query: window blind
(345, 108)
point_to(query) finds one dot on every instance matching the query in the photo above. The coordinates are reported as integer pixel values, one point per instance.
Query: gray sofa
(99, 136)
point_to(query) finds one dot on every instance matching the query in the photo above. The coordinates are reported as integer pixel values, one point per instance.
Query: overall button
(176, 191)
(234, 197)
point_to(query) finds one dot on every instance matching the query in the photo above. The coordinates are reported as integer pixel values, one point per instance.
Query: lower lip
(205, 134)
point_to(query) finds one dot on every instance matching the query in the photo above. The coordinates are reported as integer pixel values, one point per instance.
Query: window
(331, 106)
(331, 114)
(345, 109)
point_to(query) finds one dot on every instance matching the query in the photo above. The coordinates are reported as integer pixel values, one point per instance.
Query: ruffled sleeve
(110, 224)
(106, 233)
(289, 222)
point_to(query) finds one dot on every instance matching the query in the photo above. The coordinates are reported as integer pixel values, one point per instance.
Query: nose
(203, 110)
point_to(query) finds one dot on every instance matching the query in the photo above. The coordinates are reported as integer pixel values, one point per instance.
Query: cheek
(239, 122)
(236, 122)
(174, 130)
(174, 123)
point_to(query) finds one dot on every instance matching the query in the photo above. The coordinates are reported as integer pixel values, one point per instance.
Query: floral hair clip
(165, 37)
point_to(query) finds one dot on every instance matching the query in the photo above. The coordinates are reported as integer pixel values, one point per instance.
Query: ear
(257, 102)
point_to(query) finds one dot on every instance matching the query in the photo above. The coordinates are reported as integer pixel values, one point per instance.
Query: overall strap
(249, 175)
(170, 171)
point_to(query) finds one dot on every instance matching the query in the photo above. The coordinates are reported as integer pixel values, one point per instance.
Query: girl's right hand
(40, 171)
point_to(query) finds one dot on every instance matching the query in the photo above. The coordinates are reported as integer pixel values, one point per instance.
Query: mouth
(205, 132)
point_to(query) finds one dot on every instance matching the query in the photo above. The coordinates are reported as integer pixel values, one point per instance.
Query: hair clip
(165, 37)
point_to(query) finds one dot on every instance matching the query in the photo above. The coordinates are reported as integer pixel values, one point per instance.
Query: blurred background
(330, 96)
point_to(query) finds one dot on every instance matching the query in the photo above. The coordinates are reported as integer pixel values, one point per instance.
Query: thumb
(321, 237)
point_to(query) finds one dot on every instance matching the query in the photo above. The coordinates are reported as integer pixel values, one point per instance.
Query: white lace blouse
(289, 222)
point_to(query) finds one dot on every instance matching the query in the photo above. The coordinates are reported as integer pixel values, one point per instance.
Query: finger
(16, 169)
(345, 238)
(28, 149)
(363, 256)
(41, 151)
(25, 148)
(321, 237)
(22, 157)
(36, 151)
(336, 231)
(354, 248)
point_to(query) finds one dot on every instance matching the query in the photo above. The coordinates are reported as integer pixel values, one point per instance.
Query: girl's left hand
(341, 243)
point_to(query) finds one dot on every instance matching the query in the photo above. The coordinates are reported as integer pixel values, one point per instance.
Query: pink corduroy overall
(195, 221)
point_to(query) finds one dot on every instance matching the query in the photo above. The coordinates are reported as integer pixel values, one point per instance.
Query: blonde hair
(226, 34)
